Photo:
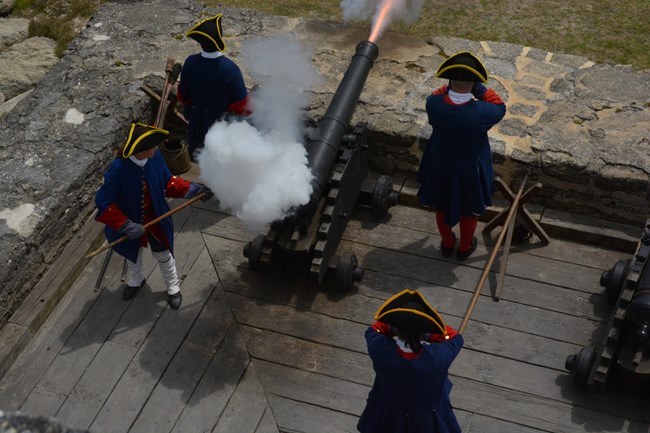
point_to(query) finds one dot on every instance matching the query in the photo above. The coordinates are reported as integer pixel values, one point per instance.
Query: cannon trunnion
(338, 159)
(623, 359)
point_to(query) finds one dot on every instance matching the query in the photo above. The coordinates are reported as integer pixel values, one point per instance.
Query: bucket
(177, 155)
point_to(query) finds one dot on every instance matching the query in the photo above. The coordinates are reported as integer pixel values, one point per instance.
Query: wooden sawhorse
(522, 213)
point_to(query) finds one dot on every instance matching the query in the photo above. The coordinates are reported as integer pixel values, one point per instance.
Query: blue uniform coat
(455, 172)
(123, 187)
(410, 395)
(212, 85)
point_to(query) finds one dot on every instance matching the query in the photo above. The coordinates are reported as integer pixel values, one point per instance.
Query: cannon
(337, 155)
(623, 358)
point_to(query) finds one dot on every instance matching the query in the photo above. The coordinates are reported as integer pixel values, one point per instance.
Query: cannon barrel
(323, 150)
(337, 155)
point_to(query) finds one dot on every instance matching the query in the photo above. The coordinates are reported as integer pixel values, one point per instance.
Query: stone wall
(24, 61)
(583, 130)
(56, 143)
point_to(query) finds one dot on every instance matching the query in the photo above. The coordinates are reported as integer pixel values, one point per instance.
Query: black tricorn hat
(208, 33)
(463, 66)
(409, 312)
(142, 137)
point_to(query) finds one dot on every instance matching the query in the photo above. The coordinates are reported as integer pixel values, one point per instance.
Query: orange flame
(381, 18)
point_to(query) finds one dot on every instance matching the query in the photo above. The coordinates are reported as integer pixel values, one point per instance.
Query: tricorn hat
(208, 34)
(409, 312)
(142, 137)
(463, 66)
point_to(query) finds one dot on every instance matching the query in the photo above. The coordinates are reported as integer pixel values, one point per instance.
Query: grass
(604, 31)
(56, 19)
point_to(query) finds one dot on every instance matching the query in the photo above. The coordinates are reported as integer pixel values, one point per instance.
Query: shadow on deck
(271, 352)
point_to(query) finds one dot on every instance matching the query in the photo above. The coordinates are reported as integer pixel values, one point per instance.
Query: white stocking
(136, 271)
(167, 266)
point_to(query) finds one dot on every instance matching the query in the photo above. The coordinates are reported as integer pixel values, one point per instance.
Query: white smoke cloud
(261, 172)
(357, 9)
(406, 11)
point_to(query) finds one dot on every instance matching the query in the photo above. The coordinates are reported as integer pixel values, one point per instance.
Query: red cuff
(183, 100)
(492, 97)
(439, 338)
(451, 333)
(177, 187)
(112, 216)
(243, 107)
(382, 328)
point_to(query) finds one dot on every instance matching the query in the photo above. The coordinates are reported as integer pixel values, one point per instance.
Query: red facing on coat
(243, 107)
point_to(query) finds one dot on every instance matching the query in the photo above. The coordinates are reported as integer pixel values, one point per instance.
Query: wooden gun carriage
(623, 358)
(338, 159)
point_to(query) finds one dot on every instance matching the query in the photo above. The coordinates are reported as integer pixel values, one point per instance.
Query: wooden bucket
(177, 156)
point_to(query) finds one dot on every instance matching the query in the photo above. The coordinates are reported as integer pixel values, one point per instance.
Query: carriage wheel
(613, 280)
(348, 272)
(383, 197)
(253, 251)
(580, 365)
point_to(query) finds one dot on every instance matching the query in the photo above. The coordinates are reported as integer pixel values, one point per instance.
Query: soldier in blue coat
(411, 350)
(133, 194)
(455, 174)
(211, 84)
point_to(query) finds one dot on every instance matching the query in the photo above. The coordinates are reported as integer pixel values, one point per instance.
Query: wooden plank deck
(273, 352)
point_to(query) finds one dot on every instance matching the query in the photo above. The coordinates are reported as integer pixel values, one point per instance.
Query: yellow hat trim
(469, 68)
(443, 327)
(131, 148)
(193, 31)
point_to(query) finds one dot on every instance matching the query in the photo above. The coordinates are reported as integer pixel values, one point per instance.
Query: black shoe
(463, 255)
(130, 291)
(446, 252)
(175, 300)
